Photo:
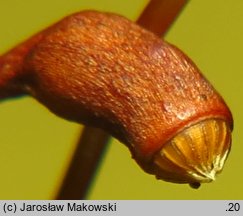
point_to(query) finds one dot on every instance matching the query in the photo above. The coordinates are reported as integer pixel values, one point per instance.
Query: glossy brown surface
(159, 15)
(103, 70)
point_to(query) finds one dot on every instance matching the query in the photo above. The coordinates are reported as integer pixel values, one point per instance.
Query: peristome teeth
(195, 155)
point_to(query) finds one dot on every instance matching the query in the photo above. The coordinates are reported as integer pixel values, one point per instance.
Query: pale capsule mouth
(195, 155)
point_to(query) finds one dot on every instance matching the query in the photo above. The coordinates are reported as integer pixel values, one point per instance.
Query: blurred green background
(36, 146)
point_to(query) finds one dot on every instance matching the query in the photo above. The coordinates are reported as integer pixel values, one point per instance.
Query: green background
(36, 146)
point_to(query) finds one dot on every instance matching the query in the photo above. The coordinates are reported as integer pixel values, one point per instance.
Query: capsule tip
(196, 155)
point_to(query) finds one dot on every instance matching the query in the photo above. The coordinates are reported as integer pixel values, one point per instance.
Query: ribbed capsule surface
(195, 155)
(105, 71)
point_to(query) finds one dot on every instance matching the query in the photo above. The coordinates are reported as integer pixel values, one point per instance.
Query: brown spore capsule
(103, 70)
